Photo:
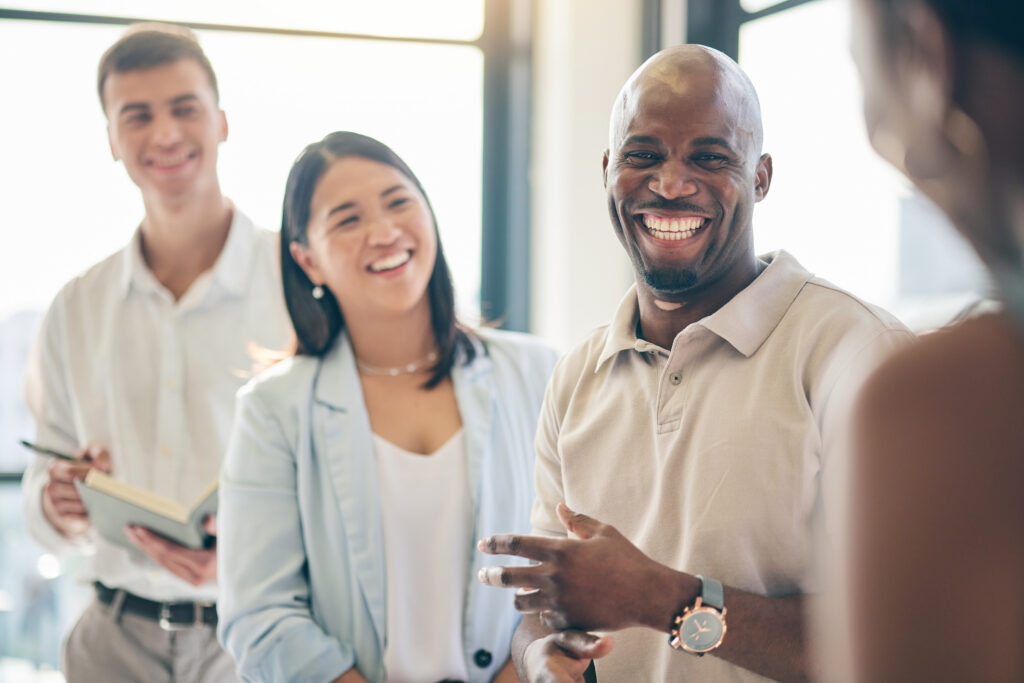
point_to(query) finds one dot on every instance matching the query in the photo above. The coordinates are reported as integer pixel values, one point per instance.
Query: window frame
(505, 203)
(715, 23)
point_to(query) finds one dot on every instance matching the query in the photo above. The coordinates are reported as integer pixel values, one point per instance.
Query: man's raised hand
(599, 581)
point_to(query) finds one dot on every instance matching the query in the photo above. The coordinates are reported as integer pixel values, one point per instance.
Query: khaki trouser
(107, 646)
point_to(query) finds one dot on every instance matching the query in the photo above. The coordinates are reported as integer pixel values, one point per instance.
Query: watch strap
(711, 592)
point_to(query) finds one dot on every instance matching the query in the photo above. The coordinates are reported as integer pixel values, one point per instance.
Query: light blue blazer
(301, 555)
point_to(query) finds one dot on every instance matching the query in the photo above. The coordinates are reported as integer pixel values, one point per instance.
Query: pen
(47, 451)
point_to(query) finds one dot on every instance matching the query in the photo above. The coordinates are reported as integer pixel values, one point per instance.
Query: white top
(119, 363)
(427, 521)
(709, 456)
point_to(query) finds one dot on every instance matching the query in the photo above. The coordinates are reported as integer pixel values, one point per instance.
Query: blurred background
(500, 106)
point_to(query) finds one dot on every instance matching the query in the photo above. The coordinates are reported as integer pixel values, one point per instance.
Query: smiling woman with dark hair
(361, 470)
(937, 551)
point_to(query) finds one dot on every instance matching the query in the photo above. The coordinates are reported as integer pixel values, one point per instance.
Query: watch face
(701, 630)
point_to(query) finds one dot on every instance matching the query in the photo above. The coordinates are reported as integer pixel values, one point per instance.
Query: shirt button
(482, 658)
(675, 378)
(166, 450)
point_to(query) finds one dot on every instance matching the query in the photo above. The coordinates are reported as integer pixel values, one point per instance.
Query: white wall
(584, 50)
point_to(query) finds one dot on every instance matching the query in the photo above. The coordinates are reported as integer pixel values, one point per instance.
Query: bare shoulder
(950, 405)
(938, 470)
(943, 369)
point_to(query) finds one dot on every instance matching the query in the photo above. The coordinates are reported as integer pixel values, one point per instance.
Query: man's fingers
(192, 569)
(155, 545)
(195, 566)
(544, 660)
(532, 547)
(565, 657)
(577, 523)
(583, 645)
(67, 472)
(554, 619)
(181, 570)
(531, 601)
(70, 508)
(64, 500)
(59, 492)
(97, 456)
(514, 577)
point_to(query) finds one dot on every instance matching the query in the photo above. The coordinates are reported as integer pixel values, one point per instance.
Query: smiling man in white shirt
(137, 362)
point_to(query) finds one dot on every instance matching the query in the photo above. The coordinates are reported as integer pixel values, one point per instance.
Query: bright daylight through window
(68, 204)
(842, 211)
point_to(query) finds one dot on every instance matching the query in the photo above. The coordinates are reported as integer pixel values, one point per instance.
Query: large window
(433, 80)
(843, 212)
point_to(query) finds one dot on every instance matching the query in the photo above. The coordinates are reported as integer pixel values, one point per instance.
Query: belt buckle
(165, 616)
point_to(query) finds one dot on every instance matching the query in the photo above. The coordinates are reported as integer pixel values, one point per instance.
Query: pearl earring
(318, 292)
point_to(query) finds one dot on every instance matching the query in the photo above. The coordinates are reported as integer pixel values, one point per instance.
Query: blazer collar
(475, 395)
(337, 380)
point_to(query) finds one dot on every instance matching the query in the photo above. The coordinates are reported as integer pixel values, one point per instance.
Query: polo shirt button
(482, 658)
(675, 378)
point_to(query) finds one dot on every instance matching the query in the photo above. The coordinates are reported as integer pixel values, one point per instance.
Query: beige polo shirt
(709, 456)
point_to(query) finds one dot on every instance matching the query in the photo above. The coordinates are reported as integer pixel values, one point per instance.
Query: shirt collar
(234, 264)
(622, 329)
(134, 272)
(749, 317)
(744, 322)
(231, 270)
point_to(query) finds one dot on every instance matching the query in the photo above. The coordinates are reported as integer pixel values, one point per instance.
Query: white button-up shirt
(118, 362)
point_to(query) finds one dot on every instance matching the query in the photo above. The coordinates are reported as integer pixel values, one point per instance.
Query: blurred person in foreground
(936, 562)
(361, 470)
(685, 444)
(137, 363)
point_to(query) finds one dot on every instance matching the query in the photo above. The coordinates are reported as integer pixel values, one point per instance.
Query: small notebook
(113, 504)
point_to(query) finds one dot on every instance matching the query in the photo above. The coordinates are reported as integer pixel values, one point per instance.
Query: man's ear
(762, 177)
(113, 148)
(304, 259)
(604, 168)
(223, 126)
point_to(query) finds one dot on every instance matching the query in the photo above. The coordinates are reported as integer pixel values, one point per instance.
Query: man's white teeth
(172, 161)
(678, 228)
(391, 262)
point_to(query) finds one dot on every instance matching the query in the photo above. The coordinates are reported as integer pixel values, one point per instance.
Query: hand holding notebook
(114, 505)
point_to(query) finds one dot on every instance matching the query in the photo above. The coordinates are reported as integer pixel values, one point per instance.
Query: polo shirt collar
(622, 329)
(231, 270)
(749, 317)
(744, 322)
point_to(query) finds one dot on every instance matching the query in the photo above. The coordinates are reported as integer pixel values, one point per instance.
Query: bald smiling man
(682, 448)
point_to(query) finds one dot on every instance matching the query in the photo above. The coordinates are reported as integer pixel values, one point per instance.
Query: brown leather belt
(172, 616)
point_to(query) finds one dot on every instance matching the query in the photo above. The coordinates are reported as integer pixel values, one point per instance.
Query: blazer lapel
(475, 396)
(344, 440)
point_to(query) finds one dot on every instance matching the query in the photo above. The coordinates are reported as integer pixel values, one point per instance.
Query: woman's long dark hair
(318, 322)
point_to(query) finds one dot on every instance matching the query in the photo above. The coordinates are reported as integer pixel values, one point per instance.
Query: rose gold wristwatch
(700, 627)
